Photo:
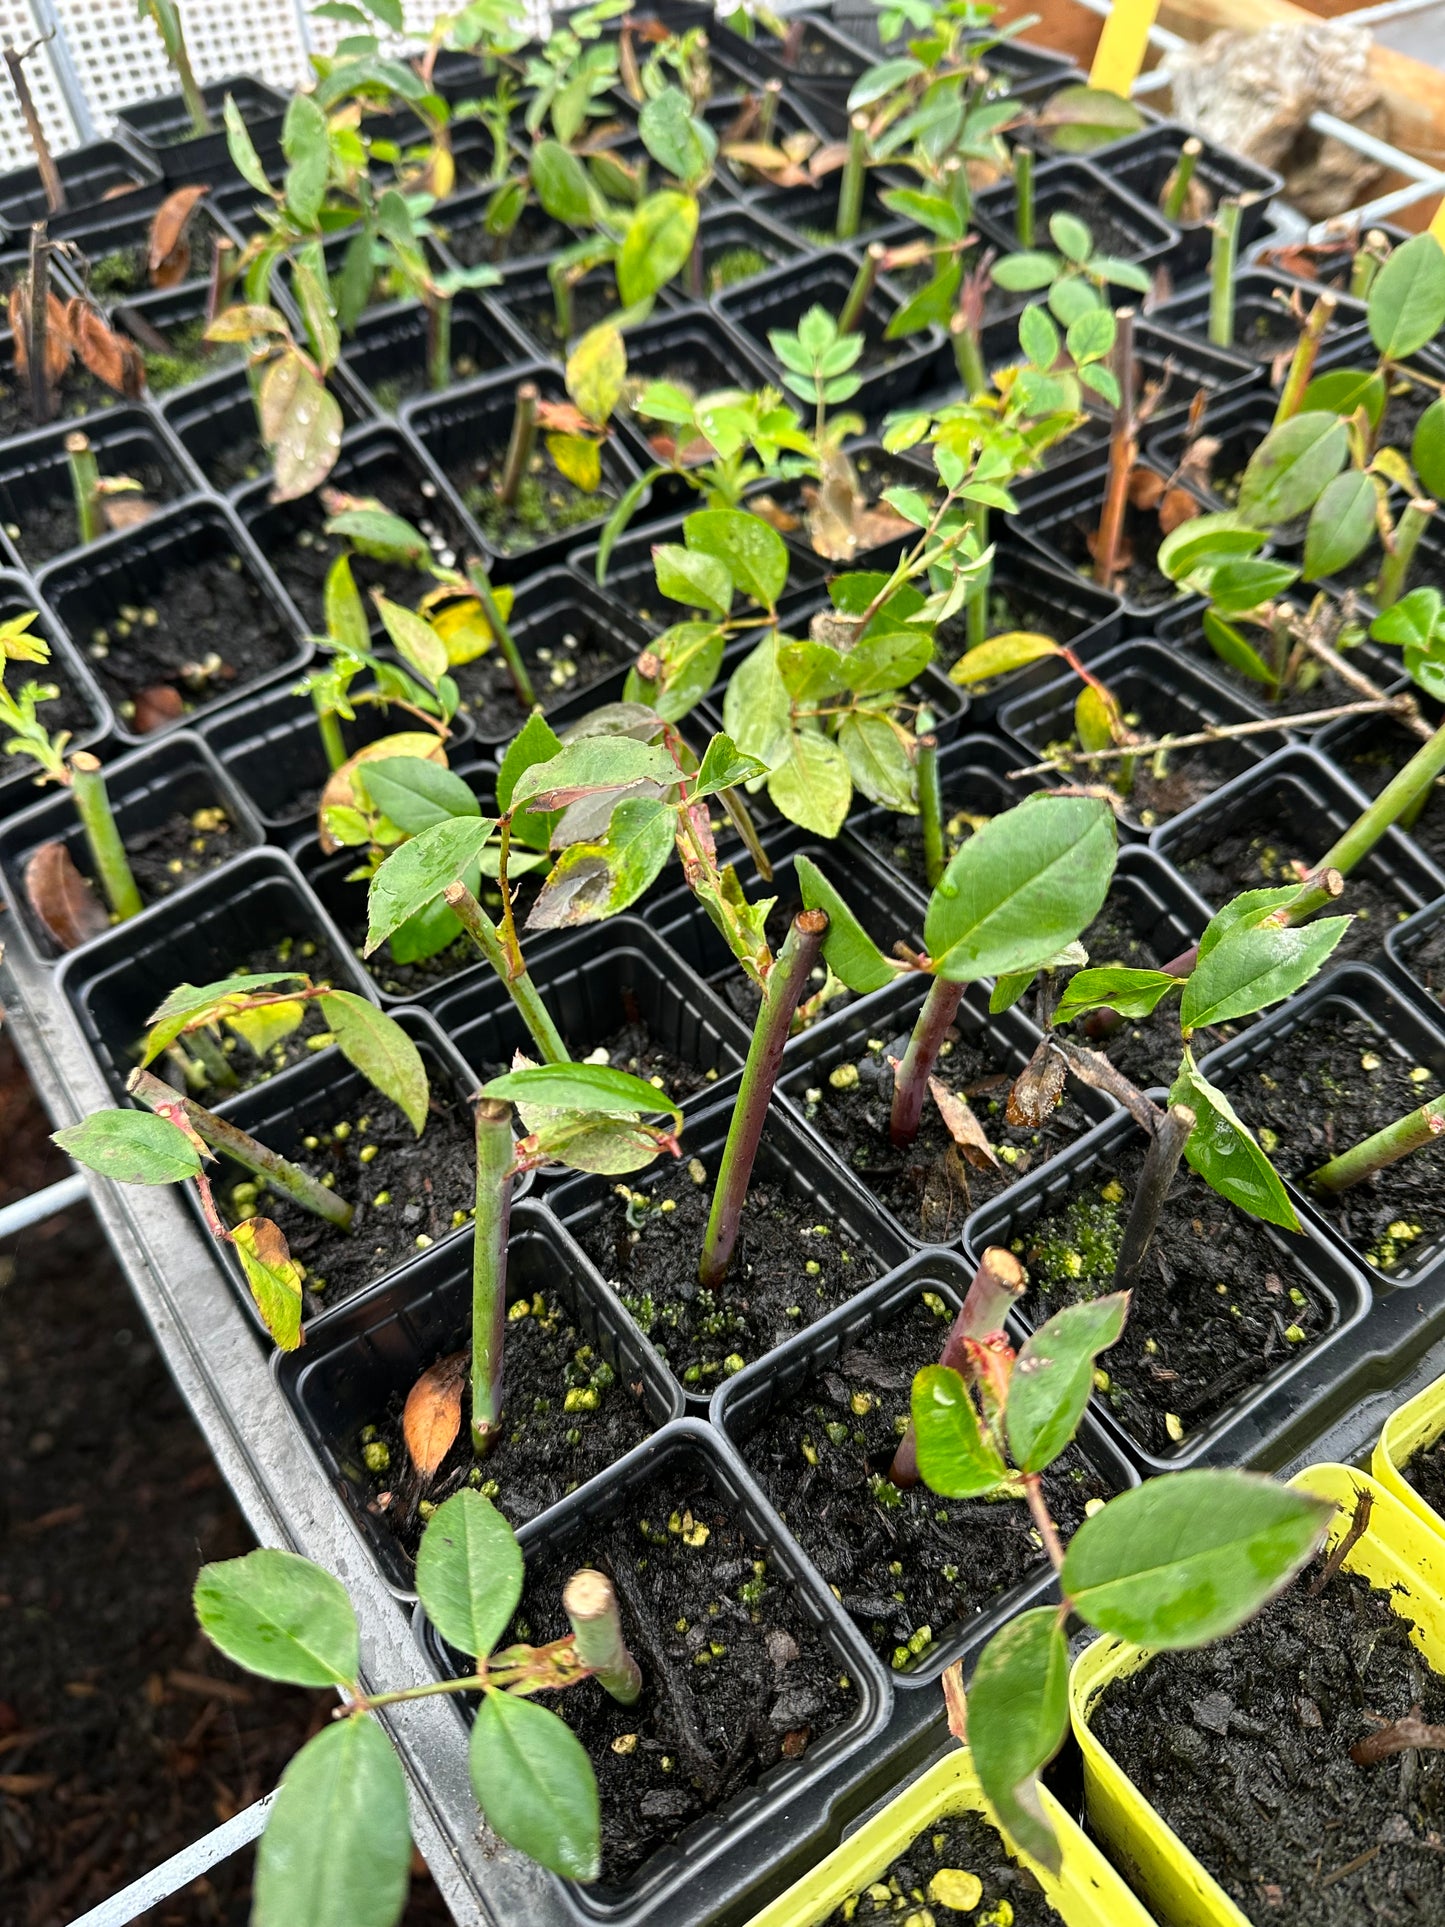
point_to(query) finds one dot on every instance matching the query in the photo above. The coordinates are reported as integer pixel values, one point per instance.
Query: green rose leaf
(1133, 993)
(1225, 1153)
(1290, 469)
(1255, 966)
(281, 1616)
(535, 1785)
(848, 950)
(956, 1458)
(414, 875)
(469, 1573)
(1054, 1375)
(1018, 1714)
(415, 793)
(381, 1050)
(754, 554)
(133, 1147)
(337, 1847)
(1407, 298)
(582, 1087)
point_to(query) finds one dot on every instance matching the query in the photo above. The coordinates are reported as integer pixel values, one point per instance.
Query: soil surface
(179, 850)
(536, 233)
(126, 1736)
(79, 394)
(1244, 1748)
(923, 1878)
(908, 1568)
(1219, 1307)
(410, 1193)
(204, 632)
(1332, 1083)
(1157, 787)
(547, 502)
(968, 799)
(1426, 961)
(568, 1417)
(1377, 751)
(565, 654)
(1426, 1473)
(647, 1242)
(42, 524)
(1146, 1049)
(1314, 687)
(930, 1188)
(737, 1677)
(1137, 578)
(534, 310)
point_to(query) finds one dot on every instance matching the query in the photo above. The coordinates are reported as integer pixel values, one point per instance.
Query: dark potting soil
(1219, 1306)
(536, 233)
(929, 1187)
(593, 301)
(79, 394)
(1247, 860)
(906, 1566)
(968, 800)
(411, 979)
(1111, 235)
(125, 271)
(1244, 1748)
(1264, 331)
(1425, 1472)
(1330, 1084)
(818, 59)
(576, 652)
(647, 1241)
(632, 1047)
(1425, 961)
(412, 1192)
(923, 1882)
(1372, 756)
(302, 553)
(204, 632)
(1157, 787)
(1137, 578)
(736, 1676)
(1313, 687)
(44, 524)
(176, 851)
(546, 505)
(240, 457)
(567, 1417)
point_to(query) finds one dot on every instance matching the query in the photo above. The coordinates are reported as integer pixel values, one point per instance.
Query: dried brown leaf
(156, 706)
(126, 510)
(432, 1416)
(1175, 508)
(562, 417)
(169, 258)
(62, 898)
(57, 334)
(963, 1127)
(1145, 488)
(1037, 1089)
(112, 358)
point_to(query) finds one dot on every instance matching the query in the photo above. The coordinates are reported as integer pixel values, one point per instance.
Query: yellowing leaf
(596, 370)
(579, 460)
(340, 794)
(267, 1026)
(274, 1278)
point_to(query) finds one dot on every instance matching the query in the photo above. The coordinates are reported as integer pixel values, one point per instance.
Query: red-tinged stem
(910, 1083)
(1048, 1532)
(1123, 453)
(997, 1286)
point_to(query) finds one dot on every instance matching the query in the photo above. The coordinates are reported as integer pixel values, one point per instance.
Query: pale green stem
(92, 806)
(1223, 256)
(1396, 1141)
(523, 992)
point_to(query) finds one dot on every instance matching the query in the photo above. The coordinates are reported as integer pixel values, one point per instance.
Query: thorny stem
(1176, 189)
(84, 487)
(506, 641)
(92, 806)
(1223, 257)
(1039, 1507)
(1395, 569)
(15, 58)
(223, 1136)
(863, 283)
(1401, 706)
(1388, 1146)
(782, 993)
(1398, 796)
(523, 992)
(591, 1608)
(1123, 453)
(910, 1082)
(850, 190)
(997, 1286)
(519, 448)
(489, 1268)
(1024, 195)
(930, 809)
(1302, 363)
(37, 325)
(1161, 1161)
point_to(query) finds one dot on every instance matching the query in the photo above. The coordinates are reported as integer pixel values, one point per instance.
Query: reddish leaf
(300, 423)
(62, 898)
(432, 1416)
(157, 706)
(1145, 488)
(169, 259)
(57, 335)
(1177, 507)
(1039, 1086)
(963, 1127)
(110, 357)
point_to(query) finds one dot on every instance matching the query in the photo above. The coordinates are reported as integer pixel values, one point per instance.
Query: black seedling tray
(35, 476)
(1136, 232)
(828, 64)
(99, 171)
(526, 298)
(1143, 163)
(1060, 522)
(161, 128)
(214, 420)
(1260, 297)
(632, 584)
(1181, 629)
(386, 356)
(1401, 958)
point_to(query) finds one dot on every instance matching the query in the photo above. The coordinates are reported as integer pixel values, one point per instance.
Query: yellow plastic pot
(1408, 1430)
(1397, 1552)
(1086, 1892)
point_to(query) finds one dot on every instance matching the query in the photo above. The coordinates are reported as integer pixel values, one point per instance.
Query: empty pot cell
(164, 127)
(37, 502)
(1269, 311)
(388, 351)
(215, 421)
(737, 245)
(172, 617)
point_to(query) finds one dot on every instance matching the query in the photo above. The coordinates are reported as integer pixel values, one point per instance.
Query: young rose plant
(337, 1842)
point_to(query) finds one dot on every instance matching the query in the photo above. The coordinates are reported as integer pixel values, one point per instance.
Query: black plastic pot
(1158, 692)
(1060, 522)
(79, 708)
(161, 128)
(890, 372)
(97, 234)
(375, 461)
(778, 1381)
(1370, 750)
(973, 775)
(468, 428)
(1409, 953)
(1257, 1427)
(821, 73)
(594, 983)
(98, 171)
(811, 212)
(1144, 162)
(177, 777)
(1181, 630)
(1239, 423)
(727, 234)
(694, 351)
(788, 1156)
(631, 582)
(88, 591)
(1298, 805)
(372, 1349)
(214, 420)
(386, 356)
(202, 935)
(727, 1864)
(1009, 1037)
(1400, 1030)
(526, 298)
(37, 513)
(1262, 327)
(1122, 226)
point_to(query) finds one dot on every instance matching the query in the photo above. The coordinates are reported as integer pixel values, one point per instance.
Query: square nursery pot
(349, 1382)
(376, 461)
(427, 1180)
(811, 211)
(1415, 953)
(386, 356)
(460, 237)
(779, 1406)
(527, 300)
(466, 432)
(918, 1190)
(695, 352)
(798, 1198)
(818, 63)
(891, 372)
(214, 420)
(1144, 163)
(1061, 521)
(973, 777)
(37, 502)
(1122, 226)
(195, 570)
(1265, 331)
(111, 246)
(258, 916)
(162, 130)
(740, 243)
(631, 582)
(1370, 750)
(99, 171)
(79, 707)
(1292, 808)
(722, 1861)
(155, 796)
(1264, 1402)
(1299, 1072)
(1158, 692)
(271, 745)
(619, 989)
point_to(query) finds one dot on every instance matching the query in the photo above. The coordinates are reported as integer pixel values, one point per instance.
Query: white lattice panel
(18, 29)
(118, 57)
